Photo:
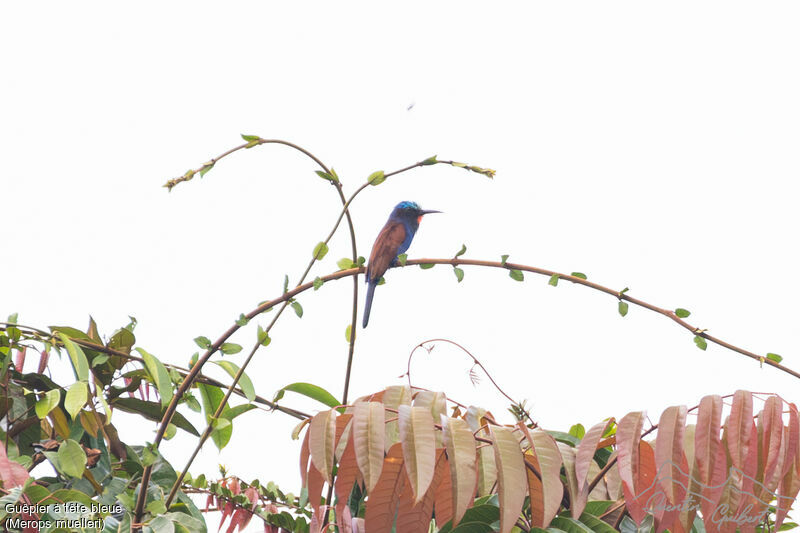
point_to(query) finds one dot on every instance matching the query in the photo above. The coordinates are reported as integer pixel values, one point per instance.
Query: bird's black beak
(427, 211)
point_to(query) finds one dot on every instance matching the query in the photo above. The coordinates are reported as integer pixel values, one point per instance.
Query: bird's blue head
(410, 211)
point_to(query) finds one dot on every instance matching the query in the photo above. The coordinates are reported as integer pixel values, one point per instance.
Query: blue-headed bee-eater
(393, 240)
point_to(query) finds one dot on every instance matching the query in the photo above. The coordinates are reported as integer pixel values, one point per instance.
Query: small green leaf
(503, 259)
(71, 458)
(149, 455)
(263, 337)
(193, 359)
(79, 363)
(381, 281)
(462, 251)
(324, 175)
(334, 175)
(318, 283)
(208, 166)
(345, 263)
(348, 332)
(312, 391)
(99, 359)
(426, 266)
(401, 259)
(285, 283)
(622, 308)
(579, 275)
(516, 275)
(774, 357)
(192, 403)
(76, 398)
(320, 250)
(158, 375)
(156, 507)
(577, 430)
(361, 261)
(203, 342)
(623, 291)
(553, 280)
(249, 138)
(48, 402)
(170, 431)
(244, 381)
(700, 342)
(229, 348)
(430, 161)
(242, 320)
(682, 313)
(298, 309)
(221, 423)
(376, 178)
(459, 274)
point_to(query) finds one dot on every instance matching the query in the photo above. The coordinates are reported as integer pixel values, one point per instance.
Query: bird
(393, 240)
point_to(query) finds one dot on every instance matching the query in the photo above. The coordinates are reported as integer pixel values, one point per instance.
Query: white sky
(648, 145)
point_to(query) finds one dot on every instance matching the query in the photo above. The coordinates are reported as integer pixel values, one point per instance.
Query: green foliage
(516, 275)
(309, 390)
(376, 178)
(622, 307)
(682, 313)
(320, 250)
(700, 342)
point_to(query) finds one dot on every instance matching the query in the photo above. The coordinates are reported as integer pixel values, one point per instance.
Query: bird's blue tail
(368, 304)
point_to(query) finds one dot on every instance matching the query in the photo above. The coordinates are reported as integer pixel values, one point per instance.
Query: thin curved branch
(616, 294)
(475, 362)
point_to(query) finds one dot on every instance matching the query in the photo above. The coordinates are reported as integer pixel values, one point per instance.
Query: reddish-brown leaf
(443, 499)
(706, 436)
(305, 454)
(462, 454)
(19, 360)
(239, 519)
(586, 449)
(739, 426)
(770, 421)
(669, 454)
(347, 474)
(344, 429)
(382, 504)
(790, 484)
(548, 459)
(416, 518)
(671, 466)
(315, 483)
(512, 482)
(629, 432)
(43, 359)
(12, 474)
(535, 491)
(226, 512)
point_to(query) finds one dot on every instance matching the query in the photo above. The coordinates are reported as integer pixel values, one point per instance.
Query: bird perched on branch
(393, 240)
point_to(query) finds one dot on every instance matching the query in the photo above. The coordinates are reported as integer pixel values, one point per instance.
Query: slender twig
(475, 362)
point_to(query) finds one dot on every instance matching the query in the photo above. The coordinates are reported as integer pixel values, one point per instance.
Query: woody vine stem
(515, 270)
